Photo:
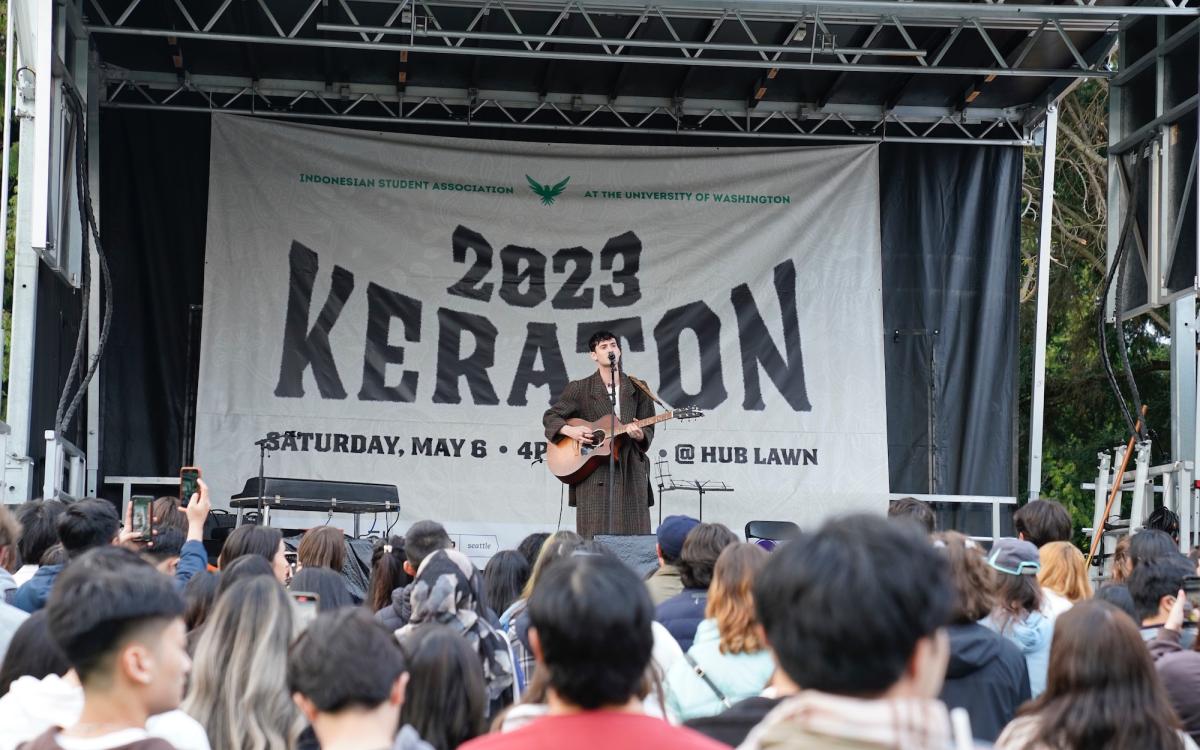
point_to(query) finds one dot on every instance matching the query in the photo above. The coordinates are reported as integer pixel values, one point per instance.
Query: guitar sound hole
(597, 439)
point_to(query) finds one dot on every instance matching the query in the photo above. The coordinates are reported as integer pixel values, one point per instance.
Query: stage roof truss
(854, 70)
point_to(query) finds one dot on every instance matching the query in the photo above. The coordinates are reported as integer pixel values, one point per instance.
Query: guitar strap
(641, 385)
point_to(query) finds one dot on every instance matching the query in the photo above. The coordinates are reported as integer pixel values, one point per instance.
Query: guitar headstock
(688, 412)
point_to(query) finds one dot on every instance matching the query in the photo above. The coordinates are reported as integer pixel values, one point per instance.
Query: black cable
(1122, 344)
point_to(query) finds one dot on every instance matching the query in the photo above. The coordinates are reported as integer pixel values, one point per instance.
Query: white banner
(408, 306)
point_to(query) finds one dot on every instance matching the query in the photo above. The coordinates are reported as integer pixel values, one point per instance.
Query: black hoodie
(987, 676)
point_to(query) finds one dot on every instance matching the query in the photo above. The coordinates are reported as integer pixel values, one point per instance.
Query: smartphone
(187, 484)
(141, 516)
(1191, 590)
(304, 608)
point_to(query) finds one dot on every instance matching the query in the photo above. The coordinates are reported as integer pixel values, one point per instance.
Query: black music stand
(666, 483)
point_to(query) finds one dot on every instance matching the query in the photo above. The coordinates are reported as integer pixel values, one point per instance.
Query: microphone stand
(614, 373)
(262, 456)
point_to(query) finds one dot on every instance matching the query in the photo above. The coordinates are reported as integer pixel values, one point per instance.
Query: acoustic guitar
(573, 461)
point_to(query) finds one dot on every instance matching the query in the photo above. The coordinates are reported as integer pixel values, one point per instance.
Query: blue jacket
(193, 558)
(1032, 635)
(737, 676)
(33, 595)
(682, 614)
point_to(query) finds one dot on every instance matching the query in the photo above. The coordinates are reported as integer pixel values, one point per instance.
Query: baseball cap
(1015, 557)
(671, 533)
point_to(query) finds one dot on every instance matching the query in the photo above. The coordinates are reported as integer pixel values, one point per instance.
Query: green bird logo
(547, 192)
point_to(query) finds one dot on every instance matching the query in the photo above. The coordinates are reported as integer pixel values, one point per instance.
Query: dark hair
(504, 577)
(39, 528)
(54, 555)
(912, 510)
(599, 337)
(87, 523)
(810, 602)
(1016, 597)
(970, 578)
(345, 659)
(168, 543)
(32, 652)
(422, 539)
(329, 586)
(446, 698)
(242, 569)
(387, 572)
(1042, 521)
(701, 548)
(100, 599)
(1149, 545)
(1153, 580)
(1098, 661)
(250, 540)
(322, 547)
(168, 515)
(531, 545)
(1117, 594)
(199, 595)
(592, 615)
(1164, 519)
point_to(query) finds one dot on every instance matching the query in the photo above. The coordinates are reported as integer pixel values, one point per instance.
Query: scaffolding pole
(1038, 402)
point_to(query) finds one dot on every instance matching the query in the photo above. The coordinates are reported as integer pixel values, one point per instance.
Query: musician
(589, 399)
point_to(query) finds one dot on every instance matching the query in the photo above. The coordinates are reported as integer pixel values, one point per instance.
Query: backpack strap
(707, 680)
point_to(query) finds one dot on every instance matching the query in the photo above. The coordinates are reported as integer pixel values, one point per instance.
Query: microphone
(612, 357)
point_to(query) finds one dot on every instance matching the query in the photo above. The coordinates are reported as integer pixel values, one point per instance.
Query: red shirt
(603, 730)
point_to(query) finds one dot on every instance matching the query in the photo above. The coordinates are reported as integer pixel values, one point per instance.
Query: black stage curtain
(950, 230)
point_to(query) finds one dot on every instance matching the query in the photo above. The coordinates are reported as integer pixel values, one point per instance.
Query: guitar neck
(648, 421)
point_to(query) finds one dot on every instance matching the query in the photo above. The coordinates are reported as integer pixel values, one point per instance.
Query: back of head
(1151, 581)
(168, 543)
(422, 539)
(731, 597)
(558, 545)
(10, 535)
(168, 515)
(914, 511)
(39, 528)
(387, 571)
(1064, 571)
(242, 569)
(86, 524)
(970, 578)
(592, 618)
(701, 549)
(446, 698)
(106, 597)
(322, 547)
(330, 588)
(531, 545)
(845, 609)
(199, 595)
(241, 661)
(32, 652)
(262, 541)
(1042, 521)
(1148, 545)
(1117, 594)
(505, 577)
(1098, 661)
(345, 659)
(1165, 520)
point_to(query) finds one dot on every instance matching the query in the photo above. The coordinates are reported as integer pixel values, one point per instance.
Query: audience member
(322, 547)
(242, 569)
(665, 582)
(387, 572)
(39, 532)
(914, 511)
(505, 577)
(192, 558)
(54, 555)
(199, 596)
(1040, 522)
(1121, 565)
(168, 513)
(1101, 690)
(591, 634)
(32, 653)
(261, 541)
(348, 677)
(1178, 668)
(986, 674)
(422, 539)
(515, 619)
(85, 524)
(10, 555)
(1149, 545)
(728, 661)
(447, 698)
(1063, 577)
(1154, 586)
(164, 553)
(531, 546)
(444, 592)
(241, 662)
(682, 613)
(329, 586)
(1018, 614)
(1165, 520)
(1117, 594)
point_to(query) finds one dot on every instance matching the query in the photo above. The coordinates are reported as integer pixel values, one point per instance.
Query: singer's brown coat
(588, 399)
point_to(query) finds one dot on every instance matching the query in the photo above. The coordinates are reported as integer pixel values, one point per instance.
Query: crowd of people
(864, 633)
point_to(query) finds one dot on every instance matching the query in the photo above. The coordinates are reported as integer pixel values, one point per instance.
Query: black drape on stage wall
(950, 230)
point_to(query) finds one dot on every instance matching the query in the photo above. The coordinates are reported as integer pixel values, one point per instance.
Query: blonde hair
(1064, 571)
(731, 598)
(559, 544)
(238, 688)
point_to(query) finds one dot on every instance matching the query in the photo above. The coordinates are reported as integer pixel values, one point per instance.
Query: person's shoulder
(664, 736)
(1018, 734)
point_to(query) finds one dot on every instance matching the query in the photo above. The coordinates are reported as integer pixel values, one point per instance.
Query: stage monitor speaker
(638, 551)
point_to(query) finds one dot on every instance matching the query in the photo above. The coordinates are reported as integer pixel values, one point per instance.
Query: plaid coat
(588, 399)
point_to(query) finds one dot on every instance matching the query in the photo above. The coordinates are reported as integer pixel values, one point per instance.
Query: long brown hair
(322, 547)
(731, 597)
(1098, 663)
(974, 587)
(1064, 571)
